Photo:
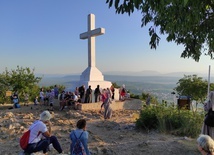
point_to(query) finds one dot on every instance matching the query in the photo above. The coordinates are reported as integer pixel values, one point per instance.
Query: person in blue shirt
(81, 130)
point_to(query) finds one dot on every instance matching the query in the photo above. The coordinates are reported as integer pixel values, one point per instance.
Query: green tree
(186, 22)
(20, 79)
(115, 85)
(193, 86)
(4, 86)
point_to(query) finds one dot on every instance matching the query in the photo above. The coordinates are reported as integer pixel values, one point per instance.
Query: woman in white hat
(40, 135)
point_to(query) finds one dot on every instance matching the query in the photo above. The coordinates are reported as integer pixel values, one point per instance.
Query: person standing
(56, 91)
(108, 91)
(97, 93)
(207, 130)
(62, 101)
(148, 100)
(88, 95)
(40, 135)
(104, 97)
(80, 133)
(41, 96)
(51, 99)
(107, 107)
(82, 92)
(76, 92)
(112, 91)
(122, 92)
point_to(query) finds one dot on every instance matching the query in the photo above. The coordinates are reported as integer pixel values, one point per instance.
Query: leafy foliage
(144, 97)
(188, 22)
(20, 79)
(193, 86)
(115, 85)
(169, 119)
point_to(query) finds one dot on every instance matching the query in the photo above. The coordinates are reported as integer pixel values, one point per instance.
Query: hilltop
(116, 136)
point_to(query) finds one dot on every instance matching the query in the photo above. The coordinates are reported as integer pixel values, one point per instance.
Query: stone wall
(129, 104)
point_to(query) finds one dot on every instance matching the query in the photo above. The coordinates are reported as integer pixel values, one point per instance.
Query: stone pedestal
(91, 76)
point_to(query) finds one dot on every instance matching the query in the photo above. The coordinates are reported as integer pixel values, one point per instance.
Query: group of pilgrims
(81, 95)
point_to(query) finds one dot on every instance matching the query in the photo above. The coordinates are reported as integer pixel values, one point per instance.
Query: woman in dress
(207, 130)
(108, 109)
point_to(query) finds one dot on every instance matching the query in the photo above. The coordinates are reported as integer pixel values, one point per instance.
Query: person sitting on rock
(40, 135)
(82, 134)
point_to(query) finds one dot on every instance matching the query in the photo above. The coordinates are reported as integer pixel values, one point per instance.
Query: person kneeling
(40, 135)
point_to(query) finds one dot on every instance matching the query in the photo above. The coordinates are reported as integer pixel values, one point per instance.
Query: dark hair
(81, 123)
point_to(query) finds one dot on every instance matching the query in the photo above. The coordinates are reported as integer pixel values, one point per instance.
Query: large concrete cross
(90, 35)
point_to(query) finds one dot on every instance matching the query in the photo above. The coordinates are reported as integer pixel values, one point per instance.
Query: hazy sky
(44, 34)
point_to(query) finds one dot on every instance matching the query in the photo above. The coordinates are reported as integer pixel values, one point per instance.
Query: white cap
(45, 116)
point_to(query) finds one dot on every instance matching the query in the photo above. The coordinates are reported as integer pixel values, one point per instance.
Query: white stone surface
(93, 84)
(92, 75)
(90, 35)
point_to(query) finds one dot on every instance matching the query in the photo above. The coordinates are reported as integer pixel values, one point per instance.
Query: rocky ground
(117, 136)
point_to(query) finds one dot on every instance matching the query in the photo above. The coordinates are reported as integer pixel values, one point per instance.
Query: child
(36, 100)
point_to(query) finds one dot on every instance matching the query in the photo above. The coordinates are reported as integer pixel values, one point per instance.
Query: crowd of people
(40, 131)
(81, 95)
(72, 99)
(41, 138)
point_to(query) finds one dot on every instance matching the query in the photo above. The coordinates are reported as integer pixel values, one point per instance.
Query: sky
(44, 35)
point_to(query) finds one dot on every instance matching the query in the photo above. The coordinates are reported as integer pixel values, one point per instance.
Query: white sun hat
(45, 116)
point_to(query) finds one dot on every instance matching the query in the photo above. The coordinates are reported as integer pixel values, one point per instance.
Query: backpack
(24, 140)
(78, 148)
(209, 119)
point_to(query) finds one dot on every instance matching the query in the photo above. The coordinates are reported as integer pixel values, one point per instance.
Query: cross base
(91, 74)
(93, 84)
(93, 77)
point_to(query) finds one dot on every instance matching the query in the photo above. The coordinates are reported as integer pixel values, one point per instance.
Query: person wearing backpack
(79, 139)
(40, 136)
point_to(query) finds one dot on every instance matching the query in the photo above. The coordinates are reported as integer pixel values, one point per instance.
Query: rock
(9, 115)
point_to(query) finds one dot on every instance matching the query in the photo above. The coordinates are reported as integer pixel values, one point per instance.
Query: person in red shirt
(104, 97)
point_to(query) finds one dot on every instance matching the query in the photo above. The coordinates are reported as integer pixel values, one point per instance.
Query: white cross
(90, 35)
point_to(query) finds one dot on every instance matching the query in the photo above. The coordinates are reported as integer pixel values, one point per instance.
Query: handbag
(209, 119)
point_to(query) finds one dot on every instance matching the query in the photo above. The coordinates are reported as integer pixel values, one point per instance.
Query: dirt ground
(116, 136)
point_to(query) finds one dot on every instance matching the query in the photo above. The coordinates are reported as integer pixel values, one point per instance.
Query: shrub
(169, 119)
(135, 96)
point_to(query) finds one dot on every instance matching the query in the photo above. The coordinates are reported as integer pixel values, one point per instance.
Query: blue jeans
(42, 145)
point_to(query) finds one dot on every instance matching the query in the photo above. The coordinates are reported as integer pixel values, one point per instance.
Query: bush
(169, 119)
(135, 96)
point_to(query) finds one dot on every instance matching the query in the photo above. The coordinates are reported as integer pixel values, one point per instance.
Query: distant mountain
(153, 73)
(181, 74)
(129, 73)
